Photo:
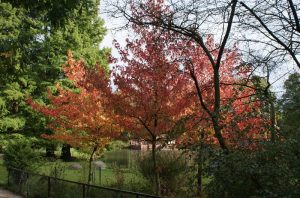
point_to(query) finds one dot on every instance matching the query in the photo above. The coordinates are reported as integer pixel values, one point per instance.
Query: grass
(133, 181)
(108, 176)
(121, 178)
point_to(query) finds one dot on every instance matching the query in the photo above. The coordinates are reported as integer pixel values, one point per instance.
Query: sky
(114, 33)
(112, 25)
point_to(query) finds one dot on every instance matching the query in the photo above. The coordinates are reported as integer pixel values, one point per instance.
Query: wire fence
(29, 184)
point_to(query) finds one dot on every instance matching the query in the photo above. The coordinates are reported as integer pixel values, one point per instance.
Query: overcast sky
(112, 33)
(113, 24)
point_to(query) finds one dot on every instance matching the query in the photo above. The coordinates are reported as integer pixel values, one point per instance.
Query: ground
(7, 194)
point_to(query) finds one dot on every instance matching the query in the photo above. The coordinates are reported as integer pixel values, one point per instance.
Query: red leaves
(82, 117)
(155, 90)
(241, 119)
(152, 91)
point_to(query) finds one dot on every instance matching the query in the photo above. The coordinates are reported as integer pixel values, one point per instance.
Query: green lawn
(132, 181)
(108, 176)
(124, 178)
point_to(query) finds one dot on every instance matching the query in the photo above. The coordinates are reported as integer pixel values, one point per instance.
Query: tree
(273, 22)
(276, 26)
(268, 101)
(241, 119)
(291, 105)
(81, 118)
(35, 37)
(174, 18)
(14, 81)
(152, 91)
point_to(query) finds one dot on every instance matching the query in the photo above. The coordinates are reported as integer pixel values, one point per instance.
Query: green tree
(35, 37)
(14, 79)
(291, 105)
(262, 86)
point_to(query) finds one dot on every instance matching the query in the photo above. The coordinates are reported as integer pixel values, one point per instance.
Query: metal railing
(36, 185)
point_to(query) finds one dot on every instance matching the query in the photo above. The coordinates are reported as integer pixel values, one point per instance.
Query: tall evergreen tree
(291, 105)
(34, 39)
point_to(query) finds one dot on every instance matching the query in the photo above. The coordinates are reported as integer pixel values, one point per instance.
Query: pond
(125, 158)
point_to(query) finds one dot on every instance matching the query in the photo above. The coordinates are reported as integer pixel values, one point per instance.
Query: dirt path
(7, 194)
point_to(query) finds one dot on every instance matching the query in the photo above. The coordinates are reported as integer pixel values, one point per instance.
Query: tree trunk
(199, 175)
(50, 149)
(273, 121)
(218, 134)
(200, 165)
(155, 169)
(90, 164)
(66, 152)
(214, 115)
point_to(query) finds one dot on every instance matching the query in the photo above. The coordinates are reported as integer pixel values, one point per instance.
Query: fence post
(8, 174)
(49, 187)
(27, 186)
(83, 191)
(21, 173)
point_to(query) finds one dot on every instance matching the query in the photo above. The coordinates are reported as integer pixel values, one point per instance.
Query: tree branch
(292, 54)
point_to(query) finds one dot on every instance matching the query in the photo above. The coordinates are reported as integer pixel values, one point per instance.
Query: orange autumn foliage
(80, 117)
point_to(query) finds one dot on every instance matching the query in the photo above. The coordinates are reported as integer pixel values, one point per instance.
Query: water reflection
(122, 158)
(125, 158)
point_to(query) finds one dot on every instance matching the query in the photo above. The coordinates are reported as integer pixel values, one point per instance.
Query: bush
(19, 154)
(119, 176)
(273, 171)
(171, 168)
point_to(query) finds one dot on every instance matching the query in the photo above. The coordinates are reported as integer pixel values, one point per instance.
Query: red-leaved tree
(81, 116)
(241, 119)
(189, 39)
(152, 92)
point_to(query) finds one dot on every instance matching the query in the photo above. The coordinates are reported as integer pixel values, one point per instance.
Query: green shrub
(119, 176)
(272, 171)
(19, 154)
(5, 139)
(171, 166)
